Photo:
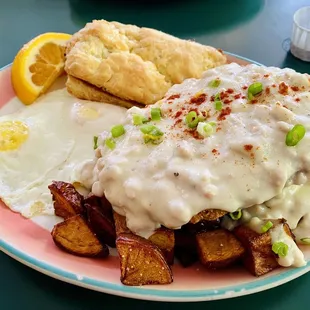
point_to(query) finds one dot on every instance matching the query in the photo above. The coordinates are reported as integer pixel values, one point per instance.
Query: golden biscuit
(135, 64)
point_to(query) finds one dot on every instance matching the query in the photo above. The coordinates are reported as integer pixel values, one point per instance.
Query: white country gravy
(244, 163)
(294, 256)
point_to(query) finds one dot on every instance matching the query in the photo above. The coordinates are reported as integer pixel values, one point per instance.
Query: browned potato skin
(120, 224)
(141, 262)
(207, 215)
(201, 226)
(101, 223)
(106, 207)
(218, 248)
(75, 237)
(163, 238)
(259, 258)
(67, 201)
(185, 240)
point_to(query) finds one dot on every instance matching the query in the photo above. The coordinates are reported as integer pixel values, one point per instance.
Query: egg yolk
(12, 135)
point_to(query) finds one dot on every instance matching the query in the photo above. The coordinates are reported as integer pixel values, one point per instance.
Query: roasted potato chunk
(106, 207)
(99, 222)
(67, 201)
(74, 236)
(102, 203)
(120, 224)
(259, 258)
(164, 239)
(141, 262)
(207, 215)
(202, 226)
(218, 248)
(185, 247)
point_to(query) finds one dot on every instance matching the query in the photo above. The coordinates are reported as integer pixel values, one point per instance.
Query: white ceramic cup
(300, 40)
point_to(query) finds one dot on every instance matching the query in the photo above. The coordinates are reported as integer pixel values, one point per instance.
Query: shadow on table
(291, 61)
(179, 17)
(39, 291)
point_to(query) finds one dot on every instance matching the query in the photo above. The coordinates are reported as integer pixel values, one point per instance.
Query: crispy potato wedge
(103, 203)
(218, 248)
(207, 215)
(99, 222)
(141, 262)
(120, 224)
(185, 240)
(259, 258)
(106, 207)
(164, 239)
(67, 201)
(185, 247)
(75, 237)
(92, 200)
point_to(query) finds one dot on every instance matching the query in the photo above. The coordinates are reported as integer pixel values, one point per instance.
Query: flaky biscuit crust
(138, 64)
(83, 90)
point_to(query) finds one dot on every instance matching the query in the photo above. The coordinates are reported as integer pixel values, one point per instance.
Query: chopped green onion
(117, 131)
(155, 114)
(95, 142)
(147, 128)
(280, 248)
(151, 133)
(201, 118)
(218, 102)
(205, 129)
(110, 143)
(295, 135)
(154, 135)
(236, 215)
(266, 227)
(152, 139)
(218, 105)
(192, 119)
(146, 139)
(214, 83)
(254, 89)
(305, 240)
(139, 119)
(151, 129)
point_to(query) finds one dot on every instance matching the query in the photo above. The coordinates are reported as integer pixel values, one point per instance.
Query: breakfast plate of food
(142, 165)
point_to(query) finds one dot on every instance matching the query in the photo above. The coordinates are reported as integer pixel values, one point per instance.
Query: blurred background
(256, 29)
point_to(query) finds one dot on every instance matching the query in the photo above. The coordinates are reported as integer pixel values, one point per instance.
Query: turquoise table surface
(256, 29)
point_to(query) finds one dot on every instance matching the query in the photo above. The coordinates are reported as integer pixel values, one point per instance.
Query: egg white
(61, 130)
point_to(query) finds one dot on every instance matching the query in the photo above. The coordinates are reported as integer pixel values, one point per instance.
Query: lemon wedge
(38, 64)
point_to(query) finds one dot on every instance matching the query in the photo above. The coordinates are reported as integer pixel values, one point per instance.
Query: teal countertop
(259, 30)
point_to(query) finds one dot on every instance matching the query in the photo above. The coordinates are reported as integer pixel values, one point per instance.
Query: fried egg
(44, 142)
